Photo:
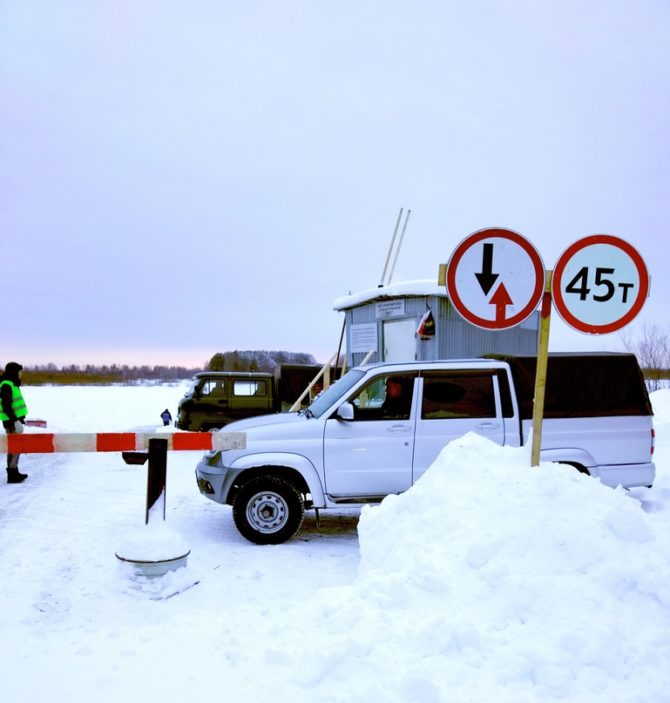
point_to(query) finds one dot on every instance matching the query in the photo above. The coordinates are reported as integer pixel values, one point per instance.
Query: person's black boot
(14, 476)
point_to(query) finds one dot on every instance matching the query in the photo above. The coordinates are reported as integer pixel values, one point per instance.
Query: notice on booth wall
(390, 308)
(363, 337)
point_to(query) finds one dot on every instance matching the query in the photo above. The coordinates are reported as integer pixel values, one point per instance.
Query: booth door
(399, 340)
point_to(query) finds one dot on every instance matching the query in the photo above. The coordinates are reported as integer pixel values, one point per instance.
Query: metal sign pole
(541, 370)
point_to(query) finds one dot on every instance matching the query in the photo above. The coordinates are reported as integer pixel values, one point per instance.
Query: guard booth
(414, 321)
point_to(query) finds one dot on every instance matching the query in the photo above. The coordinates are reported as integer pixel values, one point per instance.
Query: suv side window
(454, 395)
(385, 398)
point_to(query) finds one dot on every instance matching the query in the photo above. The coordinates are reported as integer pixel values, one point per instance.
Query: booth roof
(396, 290)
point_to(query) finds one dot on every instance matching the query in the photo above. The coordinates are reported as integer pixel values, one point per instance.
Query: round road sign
(600, 284)
(495, 278)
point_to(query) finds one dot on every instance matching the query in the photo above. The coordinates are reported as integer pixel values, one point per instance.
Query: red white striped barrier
(48, 443)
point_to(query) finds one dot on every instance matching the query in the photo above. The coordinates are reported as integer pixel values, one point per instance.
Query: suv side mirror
(346, 412)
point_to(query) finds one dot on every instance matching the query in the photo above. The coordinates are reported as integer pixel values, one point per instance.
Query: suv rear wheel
(268, 510)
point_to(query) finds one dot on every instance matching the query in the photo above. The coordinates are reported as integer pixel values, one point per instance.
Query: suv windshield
(337, 390)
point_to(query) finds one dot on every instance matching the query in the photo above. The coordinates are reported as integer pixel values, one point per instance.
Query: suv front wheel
(268, 510)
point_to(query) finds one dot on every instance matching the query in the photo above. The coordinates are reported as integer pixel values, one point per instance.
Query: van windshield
(191, 388)
(337, 390)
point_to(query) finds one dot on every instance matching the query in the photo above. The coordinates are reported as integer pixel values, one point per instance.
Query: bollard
(155, 550)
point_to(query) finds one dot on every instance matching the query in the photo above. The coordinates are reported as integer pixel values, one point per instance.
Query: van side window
(213, 387)
(455, 395)
(247, 388)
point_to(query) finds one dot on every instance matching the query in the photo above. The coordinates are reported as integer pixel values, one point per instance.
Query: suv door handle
(488, 426)
(400, 428)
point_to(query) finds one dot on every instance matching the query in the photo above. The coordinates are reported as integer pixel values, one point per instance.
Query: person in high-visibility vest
(13, 413)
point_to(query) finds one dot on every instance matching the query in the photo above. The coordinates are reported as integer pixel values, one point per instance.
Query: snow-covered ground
(487, 581)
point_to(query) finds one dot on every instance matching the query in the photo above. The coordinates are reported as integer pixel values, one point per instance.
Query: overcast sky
(181, 178)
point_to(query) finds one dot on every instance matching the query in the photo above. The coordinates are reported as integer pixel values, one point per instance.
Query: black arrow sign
(487, 278)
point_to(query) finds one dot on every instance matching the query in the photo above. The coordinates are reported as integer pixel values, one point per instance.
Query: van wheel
(268, 510)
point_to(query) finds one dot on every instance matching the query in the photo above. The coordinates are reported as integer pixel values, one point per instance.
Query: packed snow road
(487, 581)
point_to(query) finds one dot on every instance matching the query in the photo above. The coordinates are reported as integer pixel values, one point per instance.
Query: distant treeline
(237, 360)
(91, 374)
(74, 375)
(262, 360)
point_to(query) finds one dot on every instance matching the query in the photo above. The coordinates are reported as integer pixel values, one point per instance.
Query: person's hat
(13, 367)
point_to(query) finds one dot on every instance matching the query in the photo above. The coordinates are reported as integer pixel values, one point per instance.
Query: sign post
(541, 371)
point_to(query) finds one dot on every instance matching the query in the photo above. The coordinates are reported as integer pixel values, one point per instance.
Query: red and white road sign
(495, 278)
(600, 283)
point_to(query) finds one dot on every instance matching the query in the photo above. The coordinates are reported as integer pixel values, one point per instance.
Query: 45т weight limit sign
(600, 284)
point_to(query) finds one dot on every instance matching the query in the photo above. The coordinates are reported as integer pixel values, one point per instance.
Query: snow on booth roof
(422, 287)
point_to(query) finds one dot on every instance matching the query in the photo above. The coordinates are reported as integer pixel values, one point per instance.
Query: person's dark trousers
(13, 474)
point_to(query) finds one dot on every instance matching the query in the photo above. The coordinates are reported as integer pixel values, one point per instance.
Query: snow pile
(660, 401)
(657, 499)
(489, 580)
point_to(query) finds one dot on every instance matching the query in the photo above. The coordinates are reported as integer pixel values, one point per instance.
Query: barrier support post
(156, 478)
(154, 550)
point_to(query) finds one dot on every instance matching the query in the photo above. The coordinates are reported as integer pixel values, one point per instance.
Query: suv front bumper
(214, 482)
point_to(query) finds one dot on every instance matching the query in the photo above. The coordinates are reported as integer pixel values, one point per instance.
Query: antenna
(388, 256)
(397, 251)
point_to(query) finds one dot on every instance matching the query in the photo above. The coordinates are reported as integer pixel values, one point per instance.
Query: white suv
(376, 430)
